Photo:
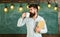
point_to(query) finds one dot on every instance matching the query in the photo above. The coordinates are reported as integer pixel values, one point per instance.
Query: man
(33, 29)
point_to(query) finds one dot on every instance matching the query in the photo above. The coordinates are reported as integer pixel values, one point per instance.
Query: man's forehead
(32, 8)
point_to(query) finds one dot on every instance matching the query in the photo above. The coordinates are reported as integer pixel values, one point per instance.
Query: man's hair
(34, 6)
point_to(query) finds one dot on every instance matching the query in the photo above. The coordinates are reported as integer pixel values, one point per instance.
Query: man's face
(32, 10)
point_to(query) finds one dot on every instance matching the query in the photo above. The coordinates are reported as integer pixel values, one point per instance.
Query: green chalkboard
(8, 21)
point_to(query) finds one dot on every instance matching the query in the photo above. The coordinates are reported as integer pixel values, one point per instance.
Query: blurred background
(11, 11)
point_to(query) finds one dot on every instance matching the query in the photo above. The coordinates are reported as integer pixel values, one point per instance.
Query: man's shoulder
(40, 16)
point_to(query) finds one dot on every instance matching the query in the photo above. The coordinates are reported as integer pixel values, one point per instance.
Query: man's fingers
(23, 15)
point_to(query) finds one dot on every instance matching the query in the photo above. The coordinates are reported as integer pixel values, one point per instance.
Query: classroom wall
(8, 23)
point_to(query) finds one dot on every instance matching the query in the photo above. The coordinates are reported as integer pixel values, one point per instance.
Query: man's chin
(32, 14)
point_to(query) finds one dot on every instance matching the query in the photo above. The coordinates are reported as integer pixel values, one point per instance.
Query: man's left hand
(37, 29)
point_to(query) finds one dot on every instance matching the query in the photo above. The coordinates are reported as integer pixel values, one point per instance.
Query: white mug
(27, 14)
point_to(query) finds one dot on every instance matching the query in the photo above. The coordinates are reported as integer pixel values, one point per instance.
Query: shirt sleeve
(21, 22)
(44, 30)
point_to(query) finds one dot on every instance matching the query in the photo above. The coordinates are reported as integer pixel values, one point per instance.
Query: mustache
(31, 14)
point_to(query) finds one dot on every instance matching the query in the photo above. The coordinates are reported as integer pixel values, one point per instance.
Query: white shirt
(31, 24)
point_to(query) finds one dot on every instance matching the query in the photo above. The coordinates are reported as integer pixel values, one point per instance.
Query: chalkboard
(8, 20)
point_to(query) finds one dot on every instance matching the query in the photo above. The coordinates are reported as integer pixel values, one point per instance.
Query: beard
(31, 15)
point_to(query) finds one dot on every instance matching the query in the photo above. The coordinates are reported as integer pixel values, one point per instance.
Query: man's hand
(37, 29)
(23, 15)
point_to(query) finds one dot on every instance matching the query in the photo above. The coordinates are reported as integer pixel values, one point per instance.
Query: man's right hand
(23, 15)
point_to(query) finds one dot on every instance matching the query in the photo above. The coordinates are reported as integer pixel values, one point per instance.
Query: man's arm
(22, 20)
(44, 29)
(41, 26)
